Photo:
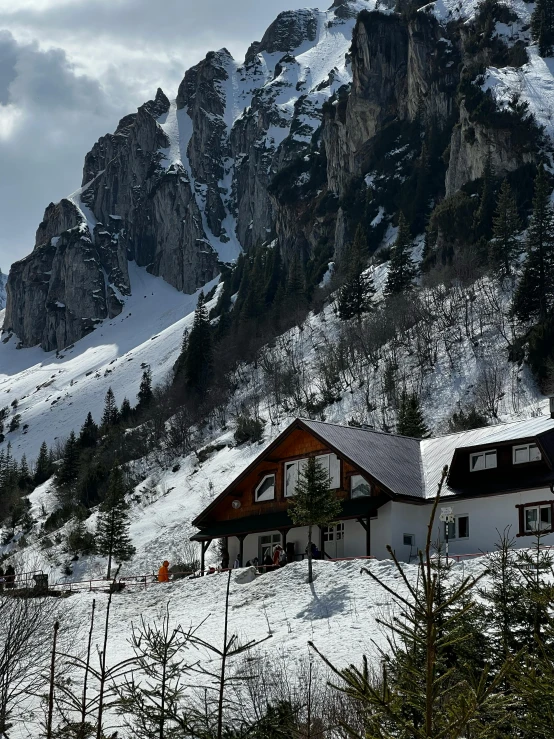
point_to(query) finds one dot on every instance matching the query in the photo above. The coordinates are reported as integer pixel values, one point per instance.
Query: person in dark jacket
(224, 559)
(9, 577)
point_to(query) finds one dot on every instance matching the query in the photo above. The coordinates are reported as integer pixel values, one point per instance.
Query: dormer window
(266, 489)
(523, 453)
(482, 460)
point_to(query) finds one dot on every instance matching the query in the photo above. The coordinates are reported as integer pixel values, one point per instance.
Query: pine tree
(505, 247)
(68, 471)
(25, 479)
(356, 295)
(542, 26)
(402, 269)
(43, 466)
(125, 411)
(110, 417)
(295, 289)
(423, 693)
(485, 211)
(535, 294)
(198, 360)
(112, 530)
(145, 394)
(314, 502)
(410, 417)
(89, 433)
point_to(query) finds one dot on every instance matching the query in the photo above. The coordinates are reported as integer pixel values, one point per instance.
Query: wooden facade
(236, 512)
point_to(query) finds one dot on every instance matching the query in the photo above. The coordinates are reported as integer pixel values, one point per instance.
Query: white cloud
(70, 69)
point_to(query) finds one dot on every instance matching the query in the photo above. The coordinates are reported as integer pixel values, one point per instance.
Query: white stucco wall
(487, 516)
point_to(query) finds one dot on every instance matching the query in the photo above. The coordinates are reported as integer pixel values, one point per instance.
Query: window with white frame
(459, 528)
(265, 489)
(359, 487)
(523, 453)
(537, 518)
(329, 462)
(482, 460)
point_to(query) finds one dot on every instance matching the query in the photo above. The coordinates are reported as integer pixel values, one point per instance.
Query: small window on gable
(266, 489)
(359, 487)
(523, 453)
(482, 460)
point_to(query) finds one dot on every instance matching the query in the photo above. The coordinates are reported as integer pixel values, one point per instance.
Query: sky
(70, 69)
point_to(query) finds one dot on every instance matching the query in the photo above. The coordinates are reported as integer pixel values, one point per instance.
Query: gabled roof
(407, 467)
(394, 461)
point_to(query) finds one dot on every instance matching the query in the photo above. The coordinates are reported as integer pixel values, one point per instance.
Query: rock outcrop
(274, 149)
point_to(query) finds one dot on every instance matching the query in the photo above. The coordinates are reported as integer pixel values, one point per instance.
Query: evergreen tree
(402, 269)
(68, 470)
(505, 247)
(314, 502)
(25, 479)
(295, 289)
(43, 466)
(126, 411)
(542, 26)
(145, 394)
(110, 417)
(485, 211)
(89, 433)
(198, 360)
(356, 295)
(423, 693)
(410, 417)
(535, 294)
(112, 531)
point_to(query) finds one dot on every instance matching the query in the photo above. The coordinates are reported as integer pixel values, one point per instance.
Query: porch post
(368, 537)
(241, 538)
(203, 549)
(284, 533)
(321, 542)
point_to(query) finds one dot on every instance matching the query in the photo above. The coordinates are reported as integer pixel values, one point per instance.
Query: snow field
(56, 391)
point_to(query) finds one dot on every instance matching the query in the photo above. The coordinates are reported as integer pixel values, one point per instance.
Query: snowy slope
(56, 391)
(338, 613)
(532, 84)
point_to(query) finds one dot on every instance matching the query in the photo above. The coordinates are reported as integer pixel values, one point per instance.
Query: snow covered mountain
(182, 185)
(287, 147)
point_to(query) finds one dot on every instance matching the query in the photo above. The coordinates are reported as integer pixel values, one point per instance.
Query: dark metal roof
(356, 508)
(395, 461)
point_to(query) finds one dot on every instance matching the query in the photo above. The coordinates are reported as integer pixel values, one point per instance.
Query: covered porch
(251, 537)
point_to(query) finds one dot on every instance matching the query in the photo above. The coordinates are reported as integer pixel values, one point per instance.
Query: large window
(482, 460)
(458, 529)
(526, 453)
(329, 462)
(359, 487)
(266, 489)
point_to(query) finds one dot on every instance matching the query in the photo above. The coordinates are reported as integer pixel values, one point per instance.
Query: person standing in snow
(268, 562)
(237, 564)
(277, 555)
(225, 559)
(163, 572)
(10, 577)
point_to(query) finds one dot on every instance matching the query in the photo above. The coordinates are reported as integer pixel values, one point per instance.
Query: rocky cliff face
(267, 149)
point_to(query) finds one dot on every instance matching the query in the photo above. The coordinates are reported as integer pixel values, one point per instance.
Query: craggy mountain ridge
(332, 117)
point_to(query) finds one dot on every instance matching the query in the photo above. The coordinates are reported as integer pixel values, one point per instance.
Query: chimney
(551, 406)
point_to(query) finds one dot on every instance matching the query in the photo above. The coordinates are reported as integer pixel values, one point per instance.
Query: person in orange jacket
(163, 572)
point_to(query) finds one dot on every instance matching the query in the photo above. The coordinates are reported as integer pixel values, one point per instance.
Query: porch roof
(356, 508)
